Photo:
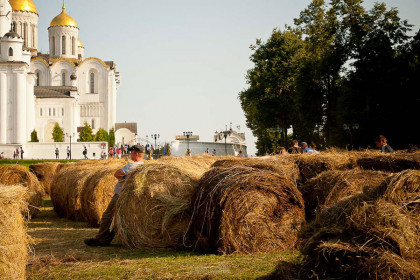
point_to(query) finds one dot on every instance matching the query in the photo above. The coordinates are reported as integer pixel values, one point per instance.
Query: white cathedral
(38, 90)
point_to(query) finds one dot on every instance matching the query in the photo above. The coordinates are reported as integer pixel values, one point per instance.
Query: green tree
(58, 134)
(34, 136)
(101, 135)
(111, 137)
(86, 133)
(267, 102)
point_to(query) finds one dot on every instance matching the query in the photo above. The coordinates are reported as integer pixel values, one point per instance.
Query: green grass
(59, 253)
(28, 162)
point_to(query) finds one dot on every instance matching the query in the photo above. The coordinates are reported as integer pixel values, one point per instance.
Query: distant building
(126, 134)
(235, 142)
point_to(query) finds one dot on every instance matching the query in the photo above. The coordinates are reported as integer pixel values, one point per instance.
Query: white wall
(179, 148)
(47, 150)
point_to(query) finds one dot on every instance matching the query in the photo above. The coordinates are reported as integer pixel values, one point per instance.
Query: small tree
(86, 133)
(101, 135)
(58, 133)
(111, 138)
(34, 136)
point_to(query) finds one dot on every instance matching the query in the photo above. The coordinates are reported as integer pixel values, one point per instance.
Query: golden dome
(79, 43)
(63, 19)
(23, 5)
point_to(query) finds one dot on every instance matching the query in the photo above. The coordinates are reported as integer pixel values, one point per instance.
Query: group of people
(17, 153)
(296, 149)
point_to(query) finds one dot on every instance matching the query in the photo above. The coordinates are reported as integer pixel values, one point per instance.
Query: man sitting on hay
(106, 234)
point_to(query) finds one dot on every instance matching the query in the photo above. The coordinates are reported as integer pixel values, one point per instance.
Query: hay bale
(97, 192)
(69, 183)
(372, 235)
(20, 175)
(330, 187)
(45, 173)
(281, 165)
(395, 162)
(13, 241)
(246, 210)
(152, 207)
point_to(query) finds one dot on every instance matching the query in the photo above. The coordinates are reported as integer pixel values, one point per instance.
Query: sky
(183, 63)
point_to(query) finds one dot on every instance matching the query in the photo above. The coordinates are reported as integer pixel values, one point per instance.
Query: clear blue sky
(183, 62)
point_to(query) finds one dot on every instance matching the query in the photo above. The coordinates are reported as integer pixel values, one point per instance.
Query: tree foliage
(34, 136)
(111, 138)
(86, 133)
(58, 134)
(340, 65)
(101, 135)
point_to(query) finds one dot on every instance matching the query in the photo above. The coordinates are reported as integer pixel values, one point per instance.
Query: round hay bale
(394, 162)
(13, 241)
(68, 184)
(246, 210)
(330, 187)
(20, 175)
(372, 235)
(152, 207)
(310, 165)
(45, 173)
(280, 165)
(97, 192)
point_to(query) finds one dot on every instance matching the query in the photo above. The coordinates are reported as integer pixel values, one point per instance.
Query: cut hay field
(59, 253)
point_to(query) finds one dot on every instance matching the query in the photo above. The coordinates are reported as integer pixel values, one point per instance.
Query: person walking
(111, 152)
(68, 152)
(119, 153)
(57, 153)
(21, 153)
(106, 234)
(85, 153)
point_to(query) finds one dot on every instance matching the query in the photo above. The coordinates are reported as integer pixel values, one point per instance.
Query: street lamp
(155, 136)
(226, 133)
(188, 134)
(70, 135)
(276, 132)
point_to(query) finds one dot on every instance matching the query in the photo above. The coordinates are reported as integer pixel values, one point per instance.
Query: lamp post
(188, 134)
(70, 135)
(276, 132)
(350, 128)
(226, 133)
(155, 136)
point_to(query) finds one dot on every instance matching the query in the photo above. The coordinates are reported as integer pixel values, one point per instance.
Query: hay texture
(71, 181)
(20, 175)
(372, 235)
(45, 173)
(246, 210)
(281, 165)
(152, 209)
(394, 162)
(98, 191)
(333, 186)
(310, 165)
(13, 241)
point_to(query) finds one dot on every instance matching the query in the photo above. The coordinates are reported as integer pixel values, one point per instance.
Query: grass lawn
(59, 253)
(28, 162)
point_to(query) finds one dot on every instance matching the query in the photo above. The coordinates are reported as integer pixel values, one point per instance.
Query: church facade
(38, 90)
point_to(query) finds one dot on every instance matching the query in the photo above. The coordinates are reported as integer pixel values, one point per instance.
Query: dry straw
(152, 207)
(13, 241)
(330, 187)
(20, 175)
(372, 235)
(243, 209)
(45, 173)
(70, 182)
(395, 162)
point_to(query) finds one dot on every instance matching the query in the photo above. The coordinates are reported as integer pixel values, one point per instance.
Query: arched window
(10, 51)
(54, 112)
(14, 26)
(53, 45)
(93, 124)
(24, 35)
(63, 44)
(33, 36)
(37, 79)
(92, 82)
(40, 112)
(73, 45)
(62, 111)
(49, 111)
(63, 79)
